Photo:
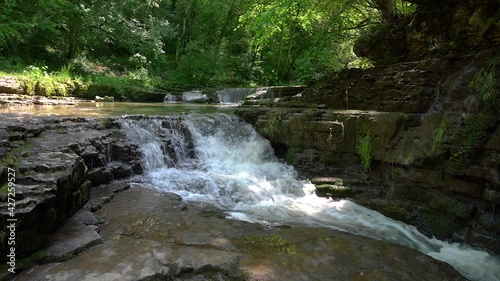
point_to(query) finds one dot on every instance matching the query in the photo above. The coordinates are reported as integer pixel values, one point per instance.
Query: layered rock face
(417, 141)
(435, 29)
(56, 162)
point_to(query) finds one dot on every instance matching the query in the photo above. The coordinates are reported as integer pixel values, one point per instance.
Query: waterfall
(235, 95)
(222, 160)
(195, 95)
(170, 98)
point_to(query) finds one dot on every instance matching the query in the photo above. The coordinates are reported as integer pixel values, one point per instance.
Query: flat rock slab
(152, 235)
(74, 237)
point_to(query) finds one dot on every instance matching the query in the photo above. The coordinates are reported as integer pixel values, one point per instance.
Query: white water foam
(235, 169)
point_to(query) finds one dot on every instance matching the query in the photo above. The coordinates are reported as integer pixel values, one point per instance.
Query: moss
(3, 192)
(438, 89)
(438, 138)
(79, 197)
(106, 122)
(394, 211)
(272, 127)
(466, 138)
(484, 83)
(332, 190)
(364, 151)
(266, 245)
(28, 172)
(439, 224)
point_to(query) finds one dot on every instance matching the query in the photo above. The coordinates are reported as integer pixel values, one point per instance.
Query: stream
(222, 161)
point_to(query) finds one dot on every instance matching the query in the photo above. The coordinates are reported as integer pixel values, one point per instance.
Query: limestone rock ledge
(56, 162)
(418, 143)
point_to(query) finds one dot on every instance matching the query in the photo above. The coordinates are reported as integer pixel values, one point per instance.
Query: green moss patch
(332, 190)
(466, 138)
(266, 244)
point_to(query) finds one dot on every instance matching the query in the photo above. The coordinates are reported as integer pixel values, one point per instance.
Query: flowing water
(101, 109)
(235, 95)
(222, 160)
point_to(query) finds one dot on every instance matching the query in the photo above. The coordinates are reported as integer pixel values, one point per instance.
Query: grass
(364, 151)
(484, 83)
(37, 80)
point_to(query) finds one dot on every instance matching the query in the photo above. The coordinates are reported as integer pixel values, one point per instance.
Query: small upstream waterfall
(235, 95)
(222, 160)
(170, 98)
(190, 96)
(193, 95)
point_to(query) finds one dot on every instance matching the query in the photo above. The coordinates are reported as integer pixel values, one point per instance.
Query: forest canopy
(190, 42)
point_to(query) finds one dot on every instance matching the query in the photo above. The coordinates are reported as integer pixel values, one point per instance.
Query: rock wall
(419, 141)
(56, 163)
(435, 29)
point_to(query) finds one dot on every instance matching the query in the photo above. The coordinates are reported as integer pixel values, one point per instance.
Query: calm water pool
(99, 109)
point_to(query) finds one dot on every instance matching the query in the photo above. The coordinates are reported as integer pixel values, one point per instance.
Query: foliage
(364, 151)
(38, 80)
(189, 42)
(438, 138)
(3, 192)
(484, 83)
(466, 138)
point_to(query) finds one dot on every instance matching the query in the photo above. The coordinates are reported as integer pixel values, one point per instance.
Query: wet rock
(489, 221)
(90, 156)
(100, 176)
(120, 170)
(331, 190)
(436, 224)
(484, 239)
(326, 180)
(57, 160)
(10, 85)
(72, 239)
(492, 196)
(173, 245)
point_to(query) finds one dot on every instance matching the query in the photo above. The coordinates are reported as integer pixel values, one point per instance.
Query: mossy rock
(397, 211)
(266, 244)
(332, 190)
(79, 197)
(439, 224)
(451, 206)
(326, 180)
(467, 138)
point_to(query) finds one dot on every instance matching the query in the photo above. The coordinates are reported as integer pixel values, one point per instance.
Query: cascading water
(235, 95)
(222, 160)
(170, 98)
(195, 95)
